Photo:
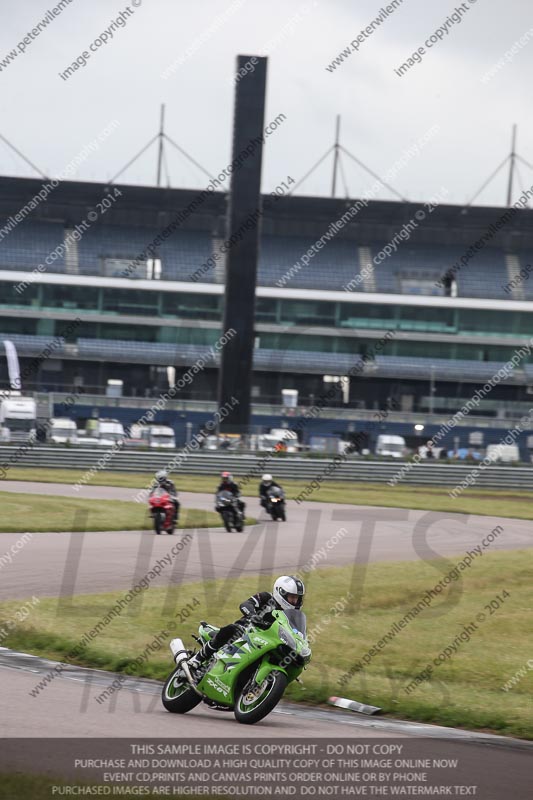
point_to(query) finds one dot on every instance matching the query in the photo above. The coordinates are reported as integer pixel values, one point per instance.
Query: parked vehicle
(62, 430)
(162, 511)
(278, 439)
(227, 506)
(103, 433)
(276, 503)
(247, 676)
(156, 436)
(503, 452)
(389, 445)
(18, 418)
(161, 437)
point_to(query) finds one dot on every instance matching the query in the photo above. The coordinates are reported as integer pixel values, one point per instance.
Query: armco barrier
(250, 467)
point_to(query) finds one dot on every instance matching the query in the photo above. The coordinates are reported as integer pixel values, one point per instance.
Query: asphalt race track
(63, 564)
(59, 564)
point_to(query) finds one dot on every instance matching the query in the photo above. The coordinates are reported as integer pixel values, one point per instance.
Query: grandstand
(143, 309)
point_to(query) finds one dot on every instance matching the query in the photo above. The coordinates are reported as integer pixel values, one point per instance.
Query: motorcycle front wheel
(177, 696)
(158, 522)
(226, 516)
(254, 703)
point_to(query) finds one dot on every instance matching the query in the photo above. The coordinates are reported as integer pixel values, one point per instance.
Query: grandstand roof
(291, 216)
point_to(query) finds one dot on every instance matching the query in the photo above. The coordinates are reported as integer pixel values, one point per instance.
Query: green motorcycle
(248, 675)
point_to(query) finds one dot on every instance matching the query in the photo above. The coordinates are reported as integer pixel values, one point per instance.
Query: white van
(161, 436)
(62, 430)
(389, 445)
(503, 452)
(103, 433)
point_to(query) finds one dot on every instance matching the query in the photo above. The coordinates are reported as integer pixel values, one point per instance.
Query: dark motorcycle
(227, 506)
(275, 503)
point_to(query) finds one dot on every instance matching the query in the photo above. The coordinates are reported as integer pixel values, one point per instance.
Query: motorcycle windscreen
(224, 496)
(297, 620)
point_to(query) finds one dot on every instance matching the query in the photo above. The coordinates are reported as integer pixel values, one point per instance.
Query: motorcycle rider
(227, 484)
(287, 595)
(164, 482)
(266, 483)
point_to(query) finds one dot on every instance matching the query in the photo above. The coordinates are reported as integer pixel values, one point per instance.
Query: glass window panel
(16, 325)
(427, 349)
(426, 318)
(26, 296)
(524, 324)
(485, 321)
(55, 296)
(307, 312)
(266, 309)
(366, 315)
(130, 301)
(191, 306)
(140, 333)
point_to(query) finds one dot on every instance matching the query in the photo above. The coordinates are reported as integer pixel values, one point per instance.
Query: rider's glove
(247, 608)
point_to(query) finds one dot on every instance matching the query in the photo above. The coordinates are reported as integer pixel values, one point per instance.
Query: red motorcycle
(162, 511)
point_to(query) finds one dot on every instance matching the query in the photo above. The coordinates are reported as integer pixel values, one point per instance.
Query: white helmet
(266, 479)
(285, 585)
(161, 476)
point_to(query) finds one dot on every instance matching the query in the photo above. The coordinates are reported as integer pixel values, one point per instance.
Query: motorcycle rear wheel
(180, 698)
(248, 709)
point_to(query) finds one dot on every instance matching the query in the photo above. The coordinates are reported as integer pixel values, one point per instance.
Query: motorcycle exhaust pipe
(181, 657)
(178, 651)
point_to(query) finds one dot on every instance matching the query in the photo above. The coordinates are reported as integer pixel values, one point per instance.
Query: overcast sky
(50, 119)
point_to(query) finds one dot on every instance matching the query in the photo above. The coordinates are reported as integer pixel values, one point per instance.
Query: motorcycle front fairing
(280, 647)
(224, 499)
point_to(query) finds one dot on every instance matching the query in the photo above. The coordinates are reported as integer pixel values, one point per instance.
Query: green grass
(33, 513)
(14, 786)
(491, 502)
(465, 691)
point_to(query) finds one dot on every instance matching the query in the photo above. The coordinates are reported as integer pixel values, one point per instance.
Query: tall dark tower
(243, 230)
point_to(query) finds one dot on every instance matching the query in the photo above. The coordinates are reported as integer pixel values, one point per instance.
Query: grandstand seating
(29, 243)
(410, 270)
(417, 270)
(484, 276)
(181, 254)
(124, 351)
(32, 345)
(524, 285)
(332, 267)
(453, 370)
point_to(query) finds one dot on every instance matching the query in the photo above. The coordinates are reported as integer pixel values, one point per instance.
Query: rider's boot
(202, 656)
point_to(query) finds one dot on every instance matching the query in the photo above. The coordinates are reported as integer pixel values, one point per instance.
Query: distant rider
(287, 595)
(164, 482)
(227, 484)
(266, 484)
